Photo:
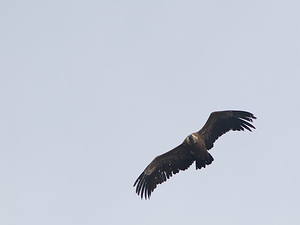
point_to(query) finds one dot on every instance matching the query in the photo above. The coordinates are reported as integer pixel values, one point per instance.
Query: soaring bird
(194, 148)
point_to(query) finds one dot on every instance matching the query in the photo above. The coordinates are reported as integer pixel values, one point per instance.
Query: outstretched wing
(221, 122)
(162, 168)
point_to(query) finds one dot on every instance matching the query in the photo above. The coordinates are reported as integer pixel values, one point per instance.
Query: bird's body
(194, 148)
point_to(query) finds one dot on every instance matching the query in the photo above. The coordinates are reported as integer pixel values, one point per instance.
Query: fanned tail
(201, 163)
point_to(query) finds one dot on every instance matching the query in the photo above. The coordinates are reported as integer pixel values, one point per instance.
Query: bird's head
(192, 139)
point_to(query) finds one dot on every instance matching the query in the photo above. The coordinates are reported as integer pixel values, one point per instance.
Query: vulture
(194, 148)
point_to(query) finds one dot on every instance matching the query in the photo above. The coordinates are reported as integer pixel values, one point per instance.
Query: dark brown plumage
(194, 148)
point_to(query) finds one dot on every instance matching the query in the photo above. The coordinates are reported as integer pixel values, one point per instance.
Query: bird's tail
(203, 162)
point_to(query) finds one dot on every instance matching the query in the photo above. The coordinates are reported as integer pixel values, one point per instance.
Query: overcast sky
(92, 91)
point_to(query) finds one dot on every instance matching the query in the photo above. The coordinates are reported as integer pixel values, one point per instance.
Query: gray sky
(92, 91)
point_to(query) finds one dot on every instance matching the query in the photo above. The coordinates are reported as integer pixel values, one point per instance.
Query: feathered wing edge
(162, 168)
(221, 122)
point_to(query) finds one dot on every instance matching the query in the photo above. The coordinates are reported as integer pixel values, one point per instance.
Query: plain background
(92, 91)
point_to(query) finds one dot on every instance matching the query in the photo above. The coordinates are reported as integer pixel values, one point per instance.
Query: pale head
(192, 139)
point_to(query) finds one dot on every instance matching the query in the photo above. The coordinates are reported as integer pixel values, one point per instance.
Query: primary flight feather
(194, 148)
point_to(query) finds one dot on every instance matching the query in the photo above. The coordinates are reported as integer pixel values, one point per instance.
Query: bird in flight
(194, 148)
